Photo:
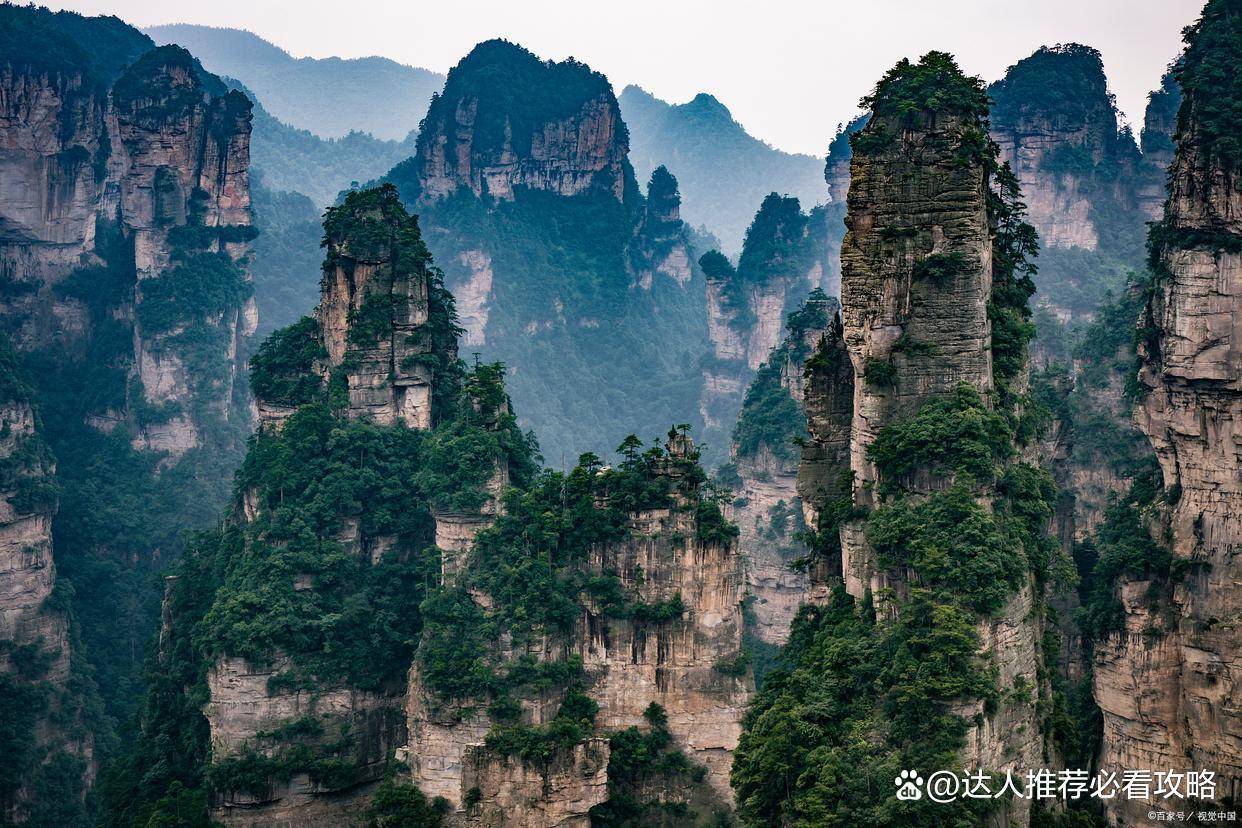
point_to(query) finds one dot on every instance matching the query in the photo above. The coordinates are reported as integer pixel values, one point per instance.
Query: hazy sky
(789, 71)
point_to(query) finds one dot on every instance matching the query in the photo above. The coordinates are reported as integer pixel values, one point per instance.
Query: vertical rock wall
(783, 258)
(908, 201)
(35, 647)
(167, 152)
(119, 163)
(917, 286)
(1168, 682)
(629, 662)
(386, 335)
(768, 507)
(373, 315)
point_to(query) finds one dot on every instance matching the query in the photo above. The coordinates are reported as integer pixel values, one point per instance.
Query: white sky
(790, 70)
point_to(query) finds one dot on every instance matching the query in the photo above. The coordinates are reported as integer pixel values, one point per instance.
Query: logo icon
(909, 786)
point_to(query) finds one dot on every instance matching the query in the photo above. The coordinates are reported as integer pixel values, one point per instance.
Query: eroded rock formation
(919, 294)
(678, 648)
(1156, 141)
(837, 175)
(493, 138)
(379, 350)
(782, 260)
(124, 236)
(146, 184)
(527, 199)
(45, 729)
(1081, 173)
(765, 471)
(1167, 681)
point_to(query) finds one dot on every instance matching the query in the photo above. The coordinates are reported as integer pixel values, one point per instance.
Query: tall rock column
(1169, 681)
(916, 282)
(825, 481)
(1156, 141)
(1081, 173)
(837, 176)
(934, 288)
(184, 205)
(381, 349)
(374, 312)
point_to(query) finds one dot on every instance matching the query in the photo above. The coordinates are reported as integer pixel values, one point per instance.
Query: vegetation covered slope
(275, 580)
(1080, 166)
(870, 684)
(723, 170)
(330, 97)
(584, 289)
(138, 399)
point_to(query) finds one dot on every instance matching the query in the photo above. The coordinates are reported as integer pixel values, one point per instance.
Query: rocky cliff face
(149, 184)
(891, 316)
(837, 175)
(921, 292)
(824, 477)
(1167, 681)
(767, 504)
(1156, 141)
(381, 350)
(560, 264)
(124, 235)
(928, 573)
(1057, 127)
(494, 138)
(782, 259)
(1038, 136)
(373, 315)
(675, 645)
(45, 730)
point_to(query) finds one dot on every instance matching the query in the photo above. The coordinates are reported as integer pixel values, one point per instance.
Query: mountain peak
(522, 108)
(703, 100)
(316, 94)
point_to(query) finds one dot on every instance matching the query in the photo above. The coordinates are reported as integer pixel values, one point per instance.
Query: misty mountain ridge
(331, 97)
(724, 172)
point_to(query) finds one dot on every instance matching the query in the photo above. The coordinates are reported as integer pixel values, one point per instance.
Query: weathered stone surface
(73, 160)
(569, 152)
(242, 709)
(90, 179)
(384, 288)
(558, 795)
(906, 202)
(768, 505)
(672, 663)
(1169, 686)
(1159, 127)
(911, 337)
(823, 470)
(29, 618)
(629, 664)
(1052, 145)
(474, 296)
(784, 258)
